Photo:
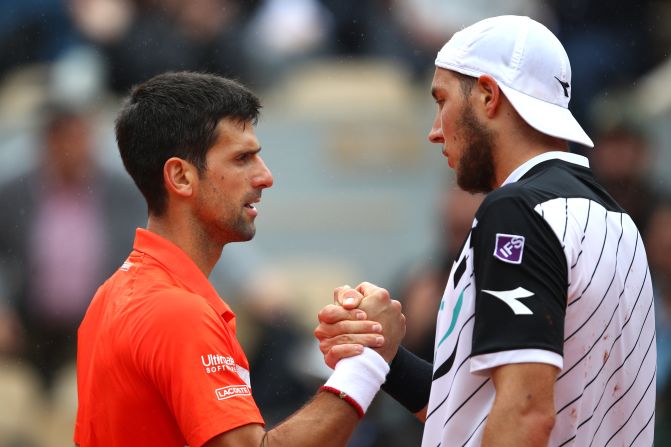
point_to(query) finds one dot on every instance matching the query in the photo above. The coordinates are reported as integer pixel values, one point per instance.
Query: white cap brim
(548, 118)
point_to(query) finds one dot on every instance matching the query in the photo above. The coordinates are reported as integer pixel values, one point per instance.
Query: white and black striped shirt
(555, 272)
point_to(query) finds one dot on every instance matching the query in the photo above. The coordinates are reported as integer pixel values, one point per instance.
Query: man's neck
(512, 155)
(204, 252)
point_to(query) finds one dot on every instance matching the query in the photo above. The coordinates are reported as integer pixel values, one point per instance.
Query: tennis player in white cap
(545, 332)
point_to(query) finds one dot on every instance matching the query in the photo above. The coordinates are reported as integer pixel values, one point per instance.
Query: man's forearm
(517, 427)
(326, 421)
(409, 382)
(329, 418)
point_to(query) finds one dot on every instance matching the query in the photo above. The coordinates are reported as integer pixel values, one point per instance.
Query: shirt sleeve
(192, 356)
(521, 282)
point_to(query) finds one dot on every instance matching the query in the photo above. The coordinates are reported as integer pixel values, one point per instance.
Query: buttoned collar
(182, 267)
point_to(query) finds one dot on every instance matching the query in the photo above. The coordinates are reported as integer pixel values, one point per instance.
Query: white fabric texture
(360, 377)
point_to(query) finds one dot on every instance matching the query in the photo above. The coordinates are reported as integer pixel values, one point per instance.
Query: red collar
(182, 267)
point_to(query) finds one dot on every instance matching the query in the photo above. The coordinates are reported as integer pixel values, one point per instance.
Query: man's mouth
(251, 205)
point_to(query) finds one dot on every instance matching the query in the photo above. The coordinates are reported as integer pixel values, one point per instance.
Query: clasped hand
(363, 316)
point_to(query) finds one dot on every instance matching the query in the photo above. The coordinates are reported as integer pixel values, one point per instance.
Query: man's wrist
(409, 380)
(357, 379)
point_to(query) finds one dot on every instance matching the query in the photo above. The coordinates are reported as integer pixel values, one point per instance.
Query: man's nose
(436, 133)
(264, 178)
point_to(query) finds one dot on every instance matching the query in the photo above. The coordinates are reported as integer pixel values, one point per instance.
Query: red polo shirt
(158, 362)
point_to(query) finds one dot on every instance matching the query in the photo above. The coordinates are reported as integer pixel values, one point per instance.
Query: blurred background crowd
(359, 193)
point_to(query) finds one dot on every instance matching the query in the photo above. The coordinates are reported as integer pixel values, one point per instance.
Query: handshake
(365, 316)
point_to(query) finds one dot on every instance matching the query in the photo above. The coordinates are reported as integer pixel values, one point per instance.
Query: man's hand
(379, 307)
(340, 337)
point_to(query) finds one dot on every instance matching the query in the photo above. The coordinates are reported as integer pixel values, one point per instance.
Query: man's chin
(248, 234)
(474, 186)
(244, 235)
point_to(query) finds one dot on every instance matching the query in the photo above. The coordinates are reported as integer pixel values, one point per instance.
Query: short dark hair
(466, 82)
(176, 115)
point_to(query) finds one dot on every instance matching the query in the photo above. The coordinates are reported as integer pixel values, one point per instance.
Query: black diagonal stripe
(615, 372)
(629, 354)
(442, 402)
(612, 280)
(603, 366)
(638, 236)
(605, 387)
(563, 238)
(603, 245)
(463, 362)
(578, 362)
(589, 208)
(445, 367)
(461, 268)
(591, 347)
(474, 431)
(650, 419)
(465, 402)
(623, 394)
(652, 379)
(567, 441)
(596, 376)
(618, 337)
(579, 254)
(584, 232)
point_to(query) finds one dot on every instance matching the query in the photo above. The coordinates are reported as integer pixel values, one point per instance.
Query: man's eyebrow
(248, 150)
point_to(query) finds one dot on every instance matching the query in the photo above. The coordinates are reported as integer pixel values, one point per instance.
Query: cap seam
(520, 45)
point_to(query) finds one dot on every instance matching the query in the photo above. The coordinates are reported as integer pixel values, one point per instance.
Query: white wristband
(357, 379)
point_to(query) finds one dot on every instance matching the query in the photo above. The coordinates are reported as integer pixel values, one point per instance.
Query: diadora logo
(509, 248)
(512, 297)
(565, 85)
(232, 391)
(217, 362)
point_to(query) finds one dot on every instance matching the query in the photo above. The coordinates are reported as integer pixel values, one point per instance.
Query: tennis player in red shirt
(158, 361)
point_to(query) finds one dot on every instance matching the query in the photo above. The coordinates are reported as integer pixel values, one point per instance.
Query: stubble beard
(240, 229)
(475, 171)
(244, 230)
(225, 227)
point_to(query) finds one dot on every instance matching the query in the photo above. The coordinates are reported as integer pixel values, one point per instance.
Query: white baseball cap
(529, 64)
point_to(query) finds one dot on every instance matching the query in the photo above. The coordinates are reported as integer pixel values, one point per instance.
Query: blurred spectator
(33, 31)
(609, 43)
(282, 33)
(65, 227)
(430, 23)
(622, 161)
(367, 28)
(423, 288)
(658, 246)
(140, 39)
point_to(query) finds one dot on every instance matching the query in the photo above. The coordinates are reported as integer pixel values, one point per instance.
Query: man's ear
(490, 94)
(180, 177)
